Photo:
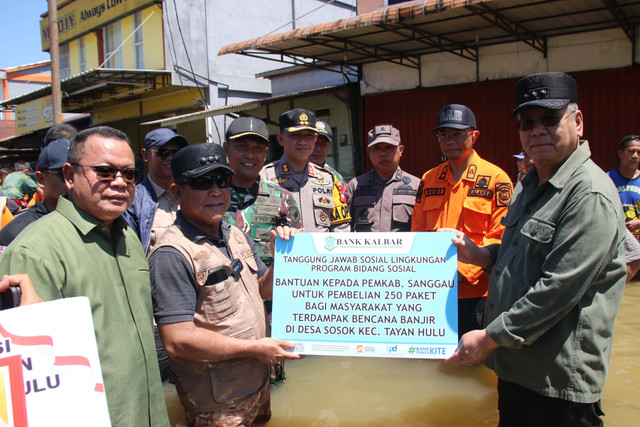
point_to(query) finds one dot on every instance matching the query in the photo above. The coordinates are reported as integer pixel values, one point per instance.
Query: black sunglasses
(205, 182)
(547, 121)
(164, 153)
(108, 173)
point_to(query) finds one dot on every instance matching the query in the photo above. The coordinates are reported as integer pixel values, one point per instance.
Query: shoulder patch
(419, 195)
(504, 190)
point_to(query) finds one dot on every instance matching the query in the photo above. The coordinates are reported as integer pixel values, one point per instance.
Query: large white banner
(367, 294)
(49, 366)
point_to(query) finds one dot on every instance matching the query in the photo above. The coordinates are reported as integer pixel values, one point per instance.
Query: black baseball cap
(324, 130)
(298, 119)
(547, 90)
(247, 126)
(159, 137)
(54, 155)
(456, 116)
(198, 159)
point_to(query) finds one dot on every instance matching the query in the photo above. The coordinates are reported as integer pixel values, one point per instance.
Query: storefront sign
(81, 16)
(34, 115)
(49, 366)
(367, 294)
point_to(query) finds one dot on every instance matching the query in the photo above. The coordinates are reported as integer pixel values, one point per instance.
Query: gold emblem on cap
(304, 117)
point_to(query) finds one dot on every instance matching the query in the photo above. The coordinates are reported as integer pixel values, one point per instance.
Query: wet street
(350, 392)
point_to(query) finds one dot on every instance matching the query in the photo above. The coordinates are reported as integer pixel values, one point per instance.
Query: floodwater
(354, 392)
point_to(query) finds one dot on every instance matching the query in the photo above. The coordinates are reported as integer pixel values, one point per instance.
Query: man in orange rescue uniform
(466, 193)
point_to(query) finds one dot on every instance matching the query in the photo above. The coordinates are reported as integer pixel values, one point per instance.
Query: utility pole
(56, 99)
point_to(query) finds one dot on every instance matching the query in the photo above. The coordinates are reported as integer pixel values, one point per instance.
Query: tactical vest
(258, 218)
(232, 307)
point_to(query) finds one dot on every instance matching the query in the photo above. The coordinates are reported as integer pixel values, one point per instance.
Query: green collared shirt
(69, 253)
(557, 282)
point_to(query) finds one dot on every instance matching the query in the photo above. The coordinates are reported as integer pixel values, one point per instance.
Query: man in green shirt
(557, 277)
(18, 184)
(85, 248)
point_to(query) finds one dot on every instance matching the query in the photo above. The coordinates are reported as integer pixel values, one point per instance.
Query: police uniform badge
(320, 126)
(341, 189)
(311, 171)
(286, 168)
(280, 180)
(303, 118)
(323, 216)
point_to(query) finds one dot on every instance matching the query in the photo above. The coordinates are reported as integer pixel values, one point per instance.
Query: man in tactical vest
(208, 286)
(313, 186)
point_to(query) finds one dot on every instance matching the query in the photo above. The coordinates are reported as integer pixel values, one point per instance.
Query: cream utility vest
(232, 307)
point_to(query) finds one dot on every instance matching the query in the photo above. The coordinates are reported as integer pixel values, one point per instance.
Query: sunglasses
(108, 173)
(164, 153)
(547, 121)
(205, 182)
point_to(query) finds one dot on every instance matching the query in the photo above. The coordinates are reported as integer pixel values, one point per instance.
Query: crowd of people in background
(182, 267)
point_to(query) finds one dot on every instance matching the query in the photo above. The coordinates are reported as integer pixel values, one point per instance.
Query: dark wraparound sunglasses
(164, 153)
(108, 173)
(205, 182)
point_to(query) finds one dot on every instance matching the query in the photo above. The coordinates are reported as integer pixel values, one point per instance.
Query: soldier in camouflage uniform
(313, 186)
(257, 206)
(318, 157)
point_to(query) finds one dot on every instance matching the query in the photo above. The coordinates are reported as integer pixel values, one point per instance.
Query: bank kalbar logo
(330, 243)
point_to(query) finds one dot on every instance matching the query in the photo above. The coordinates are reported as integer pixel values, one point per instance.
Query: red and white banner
(49, 366)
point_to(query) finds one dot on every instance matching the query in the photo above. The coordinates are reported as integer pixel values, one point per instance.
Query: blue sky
(20, 43)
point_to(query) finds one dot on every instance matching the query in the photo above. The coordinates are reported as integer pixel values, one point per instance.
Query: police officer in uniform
(208, 285)
(383, 198)
(313, 186)
(319, 155)
(257, 206)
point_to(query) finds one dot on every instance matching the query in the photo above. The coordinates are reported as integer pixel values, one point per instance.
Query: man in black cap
(154, 208)
(313, 187)
(383, 198)
(208, 285)
(49, 178)
(558, 277)
(466, 193)
(257, 206)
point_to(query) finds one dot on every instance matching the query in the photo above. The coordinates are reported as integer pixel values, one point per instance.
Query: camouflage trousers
(255, 410)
